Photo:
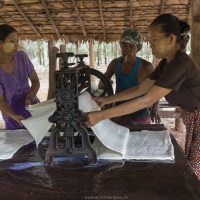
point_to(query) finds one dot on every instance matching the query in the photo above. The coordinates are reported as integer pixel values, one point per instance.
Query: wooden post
(91, 57)
(195, 31)
(62, 49)
(77, 51)
(179, 125)
(52, 68)
(91, 53)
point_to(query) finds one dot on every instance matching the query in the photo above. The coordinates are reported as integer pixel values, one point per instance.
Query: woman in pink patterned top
(16, 70)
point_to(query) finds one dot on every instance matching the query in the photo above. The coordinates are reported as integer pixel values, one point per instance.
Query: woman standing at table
(15, 71)
(177, 78)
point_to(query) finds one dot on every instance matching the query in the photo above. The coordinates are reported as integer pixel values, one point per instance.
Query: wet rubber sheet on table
(112, 141)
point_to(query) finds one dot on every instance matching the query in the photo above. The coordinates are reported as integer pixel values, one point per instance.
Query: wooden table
(25, 177)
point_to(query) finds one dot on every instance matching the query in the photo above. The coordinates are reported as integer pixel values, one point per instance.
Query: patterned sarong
(126, 120)
(192, 144)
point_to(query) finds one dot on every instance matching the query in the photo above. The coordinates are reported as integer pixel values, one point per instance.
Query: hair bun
(184, 27)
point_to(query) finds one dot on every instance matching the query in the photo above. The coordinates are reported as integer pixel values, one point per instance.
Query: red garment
(126, 120)
(192, 144)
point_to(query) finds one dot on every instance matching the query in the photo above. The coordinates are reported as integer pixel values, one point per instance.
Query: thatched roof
(76, 20)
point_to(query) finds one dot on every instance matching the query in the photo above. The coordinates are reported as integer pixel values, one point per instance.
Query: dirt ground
(168, 123)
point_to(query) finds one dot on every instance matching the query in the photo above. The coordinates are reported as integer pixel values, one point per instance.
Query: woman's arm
(6, 109)
(128, 94)
(109, 73)
(35, 85)
(153, 94)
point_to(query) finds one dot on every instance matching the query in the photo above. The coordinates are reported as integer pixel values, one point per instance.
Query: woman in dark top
(177, 78)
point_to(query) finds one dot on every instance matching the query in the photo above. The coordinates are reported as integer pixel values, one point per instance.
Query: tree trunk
(77, 51)
(62, 49)
(22, 45)
(105, 54)
(98, 54)
(116, 52)
(40, 52)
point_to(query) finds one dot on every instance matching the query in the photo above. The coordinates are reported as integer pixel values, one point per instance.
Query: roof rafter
(79, 18)
(50, 18)
(102, 20)
(131, 15)
(162, 6)
(2, 21)
(26, 18)
(189, 12)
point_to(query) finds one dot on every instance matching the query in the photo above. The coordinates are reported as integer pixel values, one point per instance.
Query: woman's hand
(155, 117)
(18, 119)
(6, 109)
(101, 101)
(154, 114)
(29, 101)
(93, 118)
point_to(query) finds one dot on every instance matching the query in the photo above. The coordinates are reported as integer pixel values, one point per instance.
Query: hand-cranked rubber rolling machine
(69, 137)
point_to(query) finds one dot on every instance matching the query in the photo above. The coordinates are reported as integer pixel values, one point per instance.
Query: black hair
(170, 24)
(184, 43)
(5, 30)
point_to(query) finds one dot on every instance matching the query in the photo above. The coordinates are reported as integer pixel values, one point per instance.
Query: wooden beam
(50, 18)
(131, 14)
(169, 114)
(2, 21)
(189, 12)
(79, 18)
(102, 20)
(26, 18)
(195, 32)
(162, 6)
